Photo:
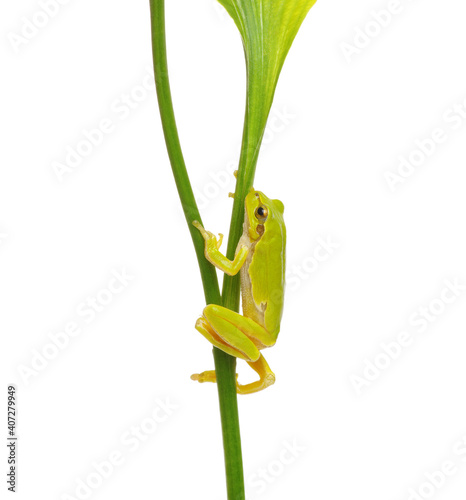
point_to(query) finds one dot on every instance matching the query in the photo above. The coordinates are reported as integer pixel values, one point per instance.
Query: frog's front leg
(240, 337)
(215, 257)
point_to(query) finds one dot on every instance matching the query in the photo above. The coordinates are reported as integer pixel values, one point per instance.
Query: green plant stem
(225, 365)
(255, 120)
(188, 202)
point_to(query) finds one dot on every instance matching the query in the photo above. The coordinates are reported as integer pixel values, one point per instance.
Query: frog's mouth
(255, 231)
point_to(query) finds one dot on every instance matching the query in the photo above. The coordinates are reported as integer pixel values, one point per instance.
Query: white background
(352, 117)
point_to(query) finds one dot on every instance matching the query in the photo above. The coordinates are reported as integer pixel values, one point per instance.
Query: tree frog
(260, 259)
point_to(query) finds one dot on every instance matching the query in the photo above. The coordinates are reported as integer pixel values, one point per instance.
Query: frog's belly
(250, 309)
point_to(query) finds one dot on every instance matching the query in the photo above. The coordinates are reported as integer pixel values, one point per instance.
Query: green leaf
(268, 28)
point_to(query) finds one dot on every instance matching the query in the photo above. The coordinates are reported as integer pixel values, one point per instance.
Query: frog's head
(262, 214)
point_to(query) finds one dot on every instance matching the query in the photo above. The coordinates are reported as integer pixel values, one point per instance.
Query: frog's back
(266, 272)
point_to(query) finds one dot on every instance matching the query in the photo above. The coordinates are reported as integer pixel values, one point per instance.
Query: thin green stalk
(188, 202)
(254, 125)
(225, 365)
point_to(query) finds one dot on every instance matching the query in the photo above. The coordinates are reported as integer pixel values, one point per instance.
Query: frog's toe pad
(208, 376)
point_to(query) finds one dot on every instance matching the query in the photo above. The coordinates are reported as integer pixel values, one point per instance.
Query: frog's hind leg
(234, 334)
(267, 377)
(261, 367)
(203, 327)
(248, 351)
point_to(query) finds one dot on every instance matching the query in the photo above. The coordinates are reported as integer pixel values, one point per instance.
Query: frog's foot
(208, 376)
(267, 377)
(232, 195)
(209, 238)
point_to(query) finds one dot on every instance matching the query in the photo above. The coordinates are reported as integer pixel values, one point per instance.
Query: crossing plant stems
(267, 29)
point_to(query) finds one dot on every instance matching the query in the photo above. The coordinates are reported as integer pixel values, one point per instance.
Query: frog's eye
(261, 213)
